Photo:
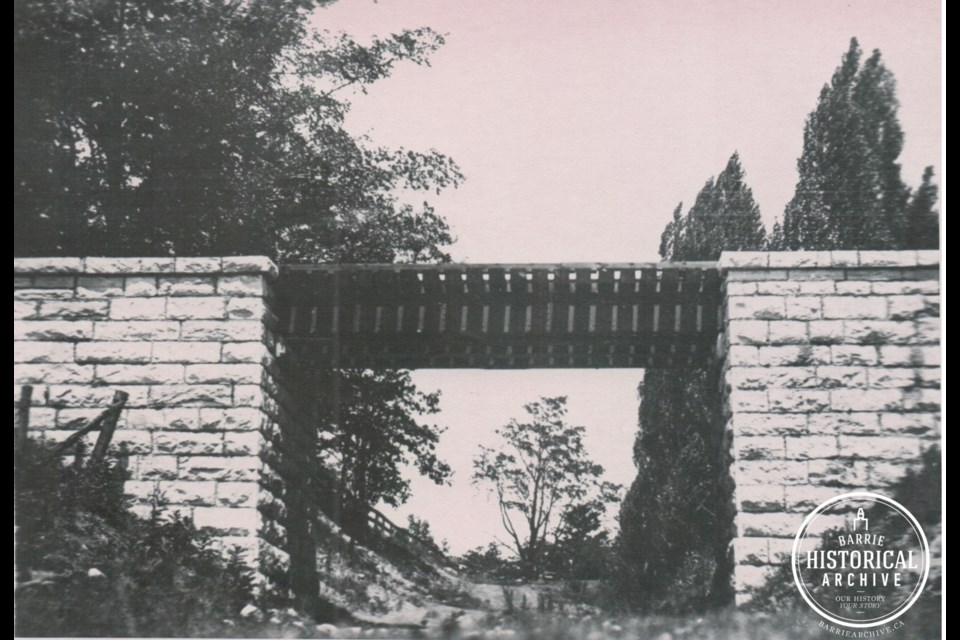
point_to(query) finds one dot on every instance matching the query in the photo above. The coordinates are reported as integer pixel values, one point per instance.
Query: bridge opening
(536, 323)
(474, 403)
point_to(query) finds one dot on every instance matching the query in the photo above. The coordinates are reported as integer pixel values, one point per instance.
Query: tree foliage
(370, 425)
(922, 229)
(674, 525)
(207, 127)
(724, 217)
(541, 473)
(420, 529)
(581, 546)
(850, 194)
(198, 126)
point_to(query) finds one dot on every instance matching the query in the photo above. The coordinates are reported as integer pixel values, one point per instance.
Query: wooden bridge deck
(501, 316)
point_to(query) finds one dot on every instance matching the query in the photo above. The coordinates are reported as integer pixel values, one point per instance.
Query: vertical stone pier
(831, 377)
(192, 341)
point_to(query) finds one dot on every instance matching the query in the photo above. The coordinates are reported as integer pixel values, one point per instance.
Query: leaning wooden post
(108, 427)
(93, 425)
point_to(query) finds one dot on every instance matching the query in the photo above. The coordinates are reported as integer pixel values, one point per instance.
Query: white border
(860, 495)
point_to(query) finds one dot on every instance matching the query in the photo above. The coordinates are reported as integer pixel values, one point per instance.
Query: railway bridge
(828, 362)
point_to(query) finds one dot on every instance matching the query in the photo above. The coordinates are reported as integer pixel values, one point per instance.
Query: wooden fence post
(21, 441)
(22, 428)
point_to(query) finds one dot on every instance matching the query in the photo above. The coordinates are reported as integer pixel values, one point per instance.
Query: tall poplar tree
(850, 194)
(673, 521)
(724, 217)
(923, 218)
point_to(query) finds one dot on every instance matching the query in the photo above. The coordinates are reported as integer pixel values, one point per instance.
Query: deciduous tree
(724, 217)
(923, 218)
(850, 194)
(208, 127)
(372, 426)
(674, 524)
(540, 472)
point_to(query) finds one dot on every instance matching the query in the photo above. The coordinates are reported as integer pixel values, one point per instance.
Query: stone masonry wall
(191, 341)
(831, 375)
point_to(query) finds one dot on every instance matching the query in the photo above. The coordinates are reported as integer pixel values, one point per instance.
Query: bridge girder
(501, 316)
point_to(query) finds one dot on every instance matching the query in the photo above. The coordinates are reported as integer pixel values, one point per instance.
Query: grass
(532, 625)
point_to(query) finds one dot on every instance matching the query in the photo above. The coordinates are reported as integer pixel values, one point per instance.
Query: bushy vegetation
(87, 566)
(488, 564)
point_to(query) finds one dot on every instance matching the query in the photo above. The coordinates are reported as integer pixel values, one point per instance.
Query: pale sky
(581, 124)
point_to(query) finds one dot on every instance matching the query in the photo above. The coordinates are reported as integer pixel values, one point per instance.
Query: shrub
(89, 567)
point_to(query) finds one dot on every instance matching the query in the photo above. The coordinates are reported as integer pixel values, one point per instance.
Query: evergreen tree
(673, 524)
(850, 194)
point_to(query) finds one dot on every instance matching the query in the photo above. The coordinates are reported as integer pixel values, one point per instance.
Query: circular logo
(860, 559)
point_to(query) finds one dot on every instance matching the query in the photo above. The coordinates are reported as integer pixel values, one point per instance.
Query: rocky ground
(418, 598)
(425, 599)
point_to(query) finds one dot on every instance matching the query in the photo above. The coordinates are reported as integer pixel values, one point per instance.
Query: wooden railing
(386, 529)
(379, 524)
